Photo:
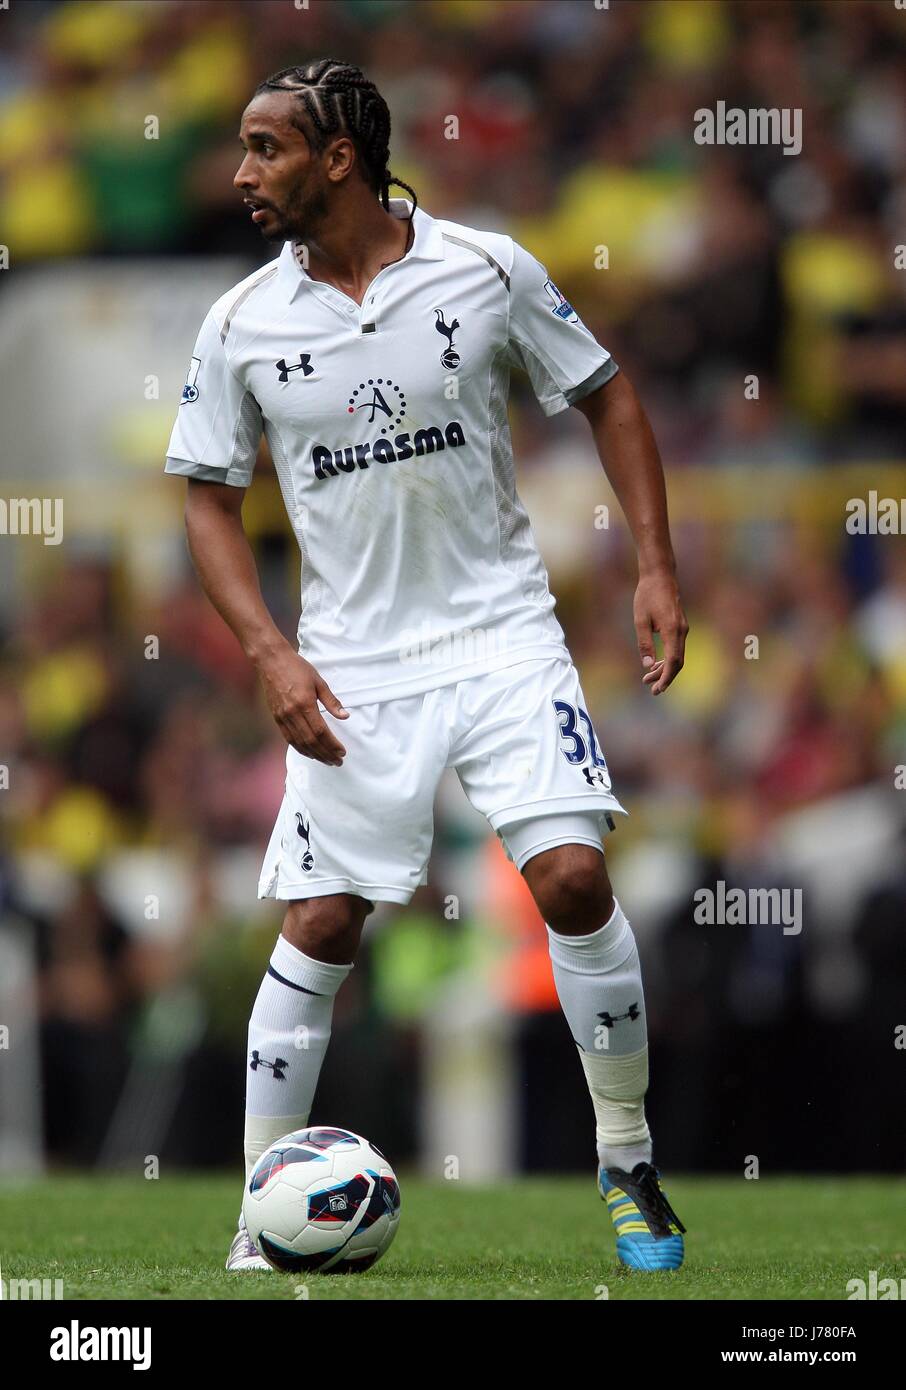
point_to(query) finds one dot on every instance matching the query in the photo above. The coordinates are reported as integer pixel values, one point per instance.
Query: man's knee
(328, 928)
(571, 887)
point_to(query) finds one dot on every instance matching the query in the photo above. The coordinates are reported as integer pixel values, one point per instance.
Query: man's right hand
(226, 568)
(293, 688)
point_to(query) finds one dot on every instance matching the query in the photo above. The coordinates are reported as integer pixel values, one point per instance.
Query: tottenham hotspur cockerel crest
(448, 357)
(304, 831)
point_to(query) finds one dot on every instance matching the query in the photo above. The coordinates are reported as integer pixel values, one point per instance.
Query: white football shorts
(521, 742)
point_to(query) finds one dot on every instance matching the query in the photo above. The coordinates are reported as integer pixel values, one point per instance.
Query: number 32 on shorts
(578, 749)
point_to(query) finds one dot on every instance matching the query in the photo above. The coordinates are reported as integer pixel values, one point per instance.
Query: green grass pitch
(536, 1238)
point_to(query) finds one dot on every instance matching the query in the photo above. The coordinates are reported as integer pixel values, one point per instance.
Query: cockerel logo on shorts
(303, 830)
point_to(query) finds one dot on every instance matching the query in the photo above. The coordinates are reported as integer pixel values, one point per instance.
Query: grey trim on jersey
(238, 472)
(591, 383)
(237, 304)
(312, 586)
(480, 251)
(202, 471)
(517, 549)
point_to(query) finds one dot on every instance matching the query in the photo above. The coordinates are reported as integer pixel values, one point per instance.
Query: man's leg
(289, 1028)
(344, 838)
(529, 759)
(599, 982)
(596, 969)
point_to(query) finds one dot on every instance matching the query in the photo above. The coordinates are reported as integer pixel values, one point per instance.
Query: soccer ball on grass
(322, 1200)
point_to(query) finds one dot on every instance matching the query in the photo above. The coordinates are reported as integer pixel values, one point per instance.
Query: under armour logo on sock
(610, 1019)
(276, 1066)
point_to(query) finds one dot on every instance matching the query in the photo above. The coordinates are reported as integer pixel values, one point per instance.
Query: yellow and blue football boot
(649, 1232)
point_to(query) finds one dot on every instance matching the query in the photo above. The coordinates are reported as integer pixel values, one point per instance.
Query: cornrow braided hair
(339, 99)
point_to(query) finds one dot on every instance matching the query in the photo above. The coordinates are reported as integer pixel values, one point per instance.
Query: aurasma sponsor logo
(77, 1343)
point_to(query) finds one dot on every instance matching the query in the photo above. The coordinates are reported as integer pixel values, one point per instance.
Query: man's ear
(340, 159)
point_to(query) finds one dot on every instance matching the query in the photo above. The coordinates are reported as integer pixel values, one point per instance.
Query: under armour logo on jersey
(302, 365)
(448, 357)
(276, 1066)
(308, 859)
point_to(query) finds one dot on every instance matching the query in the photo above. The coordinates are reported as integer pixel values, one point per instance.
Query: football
(322, 1200)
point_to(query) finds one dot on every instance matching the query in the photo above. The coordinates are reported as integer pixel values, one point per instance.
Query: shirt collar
(427, 245)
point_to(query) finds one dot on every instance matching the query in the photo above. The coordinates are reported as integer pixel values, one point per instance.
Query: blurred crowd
(722, 263)
(574, 132)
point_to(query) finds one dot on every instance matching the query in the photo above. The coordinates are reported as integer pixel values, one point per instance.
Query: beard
(301, 219)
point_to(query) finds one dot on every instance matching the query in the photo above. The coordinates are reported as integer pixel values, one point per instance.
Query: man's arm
(630, 458)
(225, 566)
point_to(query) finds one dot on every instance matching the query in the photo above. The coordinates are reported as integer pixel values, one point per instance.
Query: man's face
(282, 179)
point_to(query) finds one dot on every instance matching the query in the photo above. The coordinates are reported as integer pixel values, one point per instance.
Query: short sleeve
(218, 427)
(546, 336)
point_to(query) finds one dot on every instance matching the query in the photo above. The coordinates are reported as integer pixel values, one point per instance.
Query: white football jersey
(387, 424)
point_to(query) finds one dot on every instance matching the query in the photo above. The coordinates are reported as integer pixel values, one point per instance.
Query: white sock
(623, 1156)
(288, 1035)
(599, 983)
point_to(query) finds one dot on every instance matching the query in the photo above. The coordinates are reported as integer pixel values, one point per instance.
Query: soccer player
(374, 353)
